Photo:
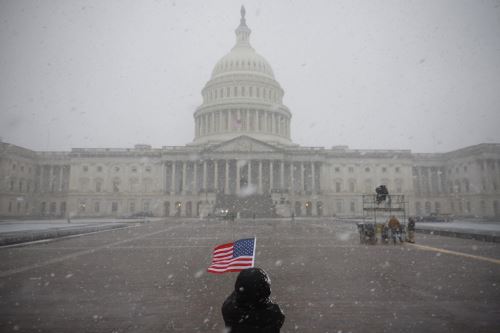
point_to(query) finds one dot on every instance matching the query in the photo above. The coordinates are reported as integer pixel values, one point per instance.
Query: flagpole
(254, 253)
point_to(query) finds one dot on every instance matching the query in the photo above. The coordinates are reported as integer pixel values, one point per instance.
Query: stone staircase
(259, 204)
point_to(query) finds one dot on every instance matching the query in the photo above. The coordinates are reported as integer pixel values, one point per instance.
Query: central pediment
(244, 144)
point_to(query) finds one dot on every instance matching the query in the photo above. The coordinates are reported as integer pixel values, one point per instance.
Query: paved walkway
(22, 231)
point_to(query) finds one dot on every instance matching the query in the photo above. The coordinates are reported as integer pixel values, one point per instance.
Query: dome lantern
(243, 31)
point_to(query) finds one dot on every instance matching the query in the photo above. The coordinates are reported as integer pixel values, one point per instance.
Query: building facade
(242, 158)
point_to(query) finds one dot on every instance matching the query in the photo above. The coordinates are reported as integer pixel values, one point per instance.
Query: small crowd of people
(395, 229)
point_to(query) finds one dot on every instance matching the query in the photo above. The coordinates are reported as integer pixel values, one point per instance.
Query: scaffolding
(377, 212)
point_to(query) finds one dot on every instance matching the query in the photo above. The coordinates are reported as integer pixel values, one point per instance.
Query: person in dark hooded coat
(249, 308)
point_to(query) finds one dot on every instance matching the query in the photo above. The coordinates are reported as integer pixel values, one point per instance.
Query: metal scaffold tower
(377, 210)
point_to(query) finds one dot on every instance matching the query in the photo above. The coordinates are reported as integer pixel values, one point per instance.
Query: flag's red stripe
(223, 246)
(227, 256)
(244, 261)
(225, 261)
(229, 269)
(224, 249)
(223, 253)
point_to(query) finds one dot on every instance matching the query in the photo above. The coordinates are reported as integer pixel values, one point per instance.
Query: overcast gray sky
(420, 75)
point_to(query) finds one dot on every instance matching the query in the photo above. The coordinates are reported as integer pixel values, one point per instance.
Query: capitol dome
(242, 97)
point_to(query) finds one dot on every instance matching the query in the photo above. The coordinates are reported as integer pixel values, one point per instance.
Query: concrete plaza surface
(21, 231)
(151, 277)
(480, 230)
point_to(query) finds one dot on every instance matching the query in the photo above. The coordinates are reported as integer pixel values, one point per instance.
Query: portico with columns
(245, 166)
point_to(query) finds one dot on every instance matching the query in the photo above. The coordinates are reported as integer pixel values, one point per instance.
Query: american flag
(233, 257)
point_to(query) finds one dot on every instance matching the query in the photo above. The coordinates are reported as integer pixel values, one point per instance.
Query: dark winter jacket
(249, 308)
(411, 224)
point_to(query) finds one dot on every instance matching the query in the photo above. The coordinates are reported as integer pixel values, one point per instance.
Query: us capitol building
(242, 158)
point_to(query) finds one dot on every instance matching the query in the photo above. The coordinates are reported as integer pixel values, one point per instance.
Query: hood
(253, 286)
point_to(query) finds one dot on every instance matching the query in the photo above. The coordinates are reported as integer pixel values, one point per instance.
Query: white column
(164, 178)
(282, 175)
(216, 175)
(248, 120)
(226, 187)
(260, 178)
(249, 169)
(204, 175)
(313, 177)
(237, 178)
(195, 175)
(301, 176)
(270, 176)
(292, 178)
(172, 189)
(184, 177)
(59, 188)
(51, 178)
(240, 126)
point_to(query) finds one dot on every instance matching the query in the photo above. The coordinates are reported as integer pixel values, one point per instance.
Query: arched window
(369, 186)
(398, 185)
(98, 185)
(116, 185)
(466, 185)
(428, 207)
(338, 185)
(352, 185)
(418, 208)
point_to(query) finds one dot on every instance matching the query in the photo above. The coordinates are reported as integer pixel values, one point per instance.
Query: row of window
(26, 186)
(20, 167)
(18, 207)
(214, 94)
(135, 185)
(456, 207)
(134, 169)
(369, 185)
(22, 185)
(367, 169)
(457, 186)
(243, 64)
(483, 164)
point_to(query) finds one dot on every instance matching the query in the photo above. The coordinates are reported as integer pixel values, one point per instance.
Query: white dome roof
(242, 59)
(242, 97)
